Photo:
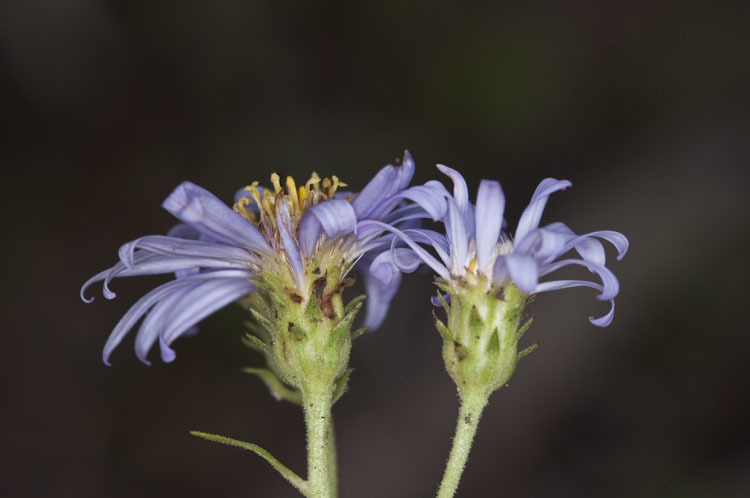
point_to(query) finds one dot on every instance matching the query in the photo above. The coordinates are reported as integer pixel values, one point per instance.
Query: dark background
(642, 105)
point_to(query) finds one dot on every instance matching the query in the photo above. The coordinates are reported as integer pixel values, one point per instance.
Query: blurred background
(643, 105)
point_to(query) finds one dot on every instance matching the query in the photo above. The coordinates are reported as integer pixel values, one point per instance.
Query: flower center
(258, 205)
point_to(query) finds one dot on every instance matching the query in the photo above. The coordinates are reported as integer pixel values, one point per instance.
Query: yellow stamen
(239, 207)
(268, 206)
(252, 188)
(337, 184)
(473, 265)
(291, 187)
(276, 184)
(313, 182)
(298, 198)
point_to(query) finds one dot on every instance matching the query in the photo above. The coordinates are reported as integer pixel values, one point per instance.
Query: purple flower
(218, 252)
(475, 250)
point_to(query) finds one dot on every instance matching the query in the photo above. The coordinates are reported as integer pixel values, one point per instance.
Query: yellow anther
(473, 265)
(291, 187)
(276, 183)
(253, 189)
(313, 182)
(268, 207)
(303, 193)
(336, 185)
(239, 208)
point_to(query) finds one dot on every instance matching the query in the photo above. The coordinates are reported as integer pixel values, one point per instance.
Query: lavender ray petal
(421, 236)
(187, 272)
(500, 271)
(615, 238)
(146, 302)
(524, 271)
(542, 244)
(156, 264)
(430, 197)
(609, 282)
(308, 233)
(460, 191)
(605, 320)
(335, 217)
(388, 181)
(96, 278)
(135, 313)
(154, 322)
(435, 239)
(428, 259)
(183, 231)
(203, 211)
(196, 305)
(533, 212)
(458, 238)
(566, 284)
(388, 263)
(284, 222)
(488, 221)
(379, 296)
(173, 246)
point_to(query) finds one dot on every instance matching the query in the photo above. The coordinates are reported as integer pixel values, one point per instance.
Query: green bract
(306, 339)
(480, 340)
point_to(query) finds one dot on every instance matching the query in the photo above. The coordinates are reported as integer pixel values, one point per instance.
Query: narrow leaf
(287, 474)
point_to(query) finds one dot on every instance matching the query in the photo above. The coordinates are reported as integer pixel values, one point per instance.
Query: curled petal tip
(601, 321)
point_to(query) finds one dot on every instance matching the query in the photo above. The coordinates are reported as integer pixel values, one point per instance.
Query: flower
(476, 251)
(220, 254)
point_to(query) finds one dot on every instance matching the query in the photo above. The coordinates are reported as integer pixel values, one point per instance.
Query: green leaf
(278, 389)
(287, 474)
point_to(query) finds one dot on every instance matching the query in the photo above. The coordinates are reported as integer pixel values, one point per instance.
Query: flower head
(476, 251)
(286, 236)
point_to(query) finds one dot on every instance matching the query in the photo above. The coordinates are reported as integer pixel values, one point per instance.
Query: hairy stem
(472, 404)
(332, 460)
(317, 406)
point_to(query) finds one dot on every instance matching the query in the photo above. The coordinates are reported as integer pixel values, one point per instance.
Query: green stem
(317, 405)
(472, 404)
(332, 460)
